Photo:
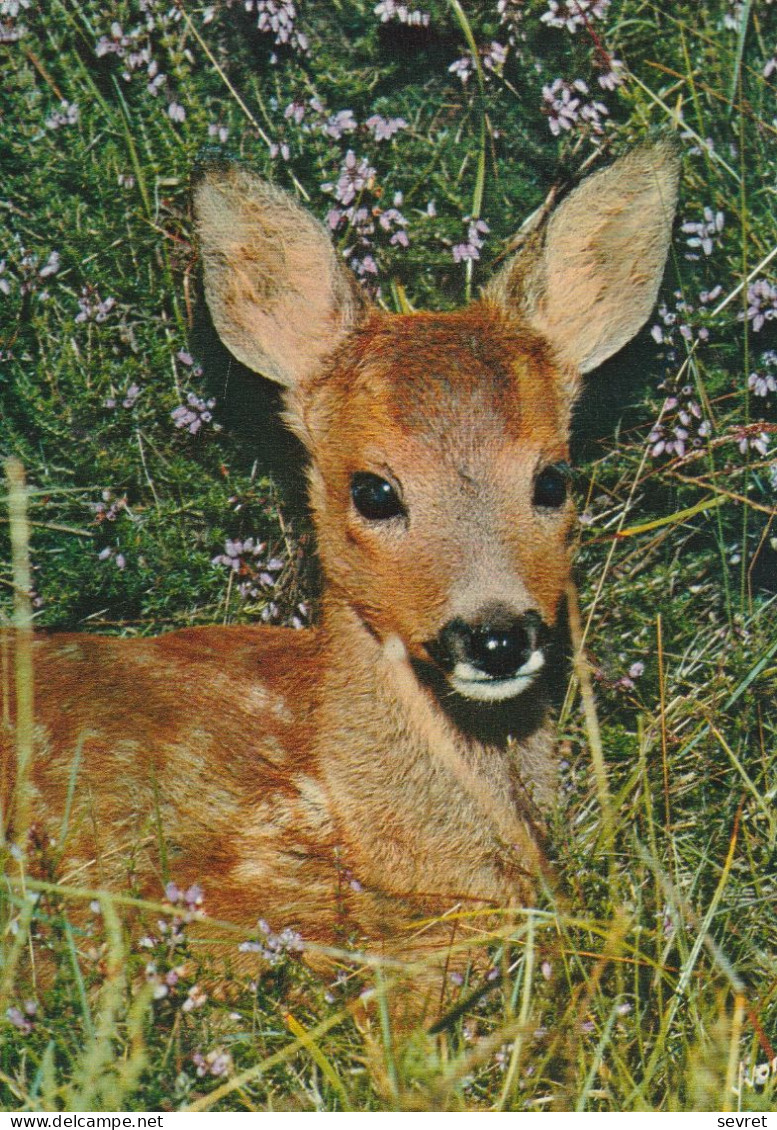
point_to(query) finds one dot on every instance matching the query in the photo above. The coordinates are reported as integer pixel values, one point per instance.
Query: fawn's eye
(374, 497)
(550, 486)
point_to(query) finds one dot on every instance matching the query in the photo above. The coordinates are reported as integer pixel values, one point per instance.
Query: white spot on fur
(394, 650)
(257, 696)
(315, 802)
(262, 700)
(272, 750)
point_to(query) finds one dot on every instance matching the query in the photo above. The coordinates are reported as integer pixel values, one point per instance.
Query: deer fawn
(395, 760)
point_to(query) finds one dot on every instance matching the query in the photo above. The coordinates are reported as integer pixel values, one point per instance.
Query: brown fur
(332, 779)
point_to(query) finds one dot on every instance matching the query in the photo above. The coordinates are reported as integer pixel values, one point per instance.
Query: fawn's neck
(386, 739)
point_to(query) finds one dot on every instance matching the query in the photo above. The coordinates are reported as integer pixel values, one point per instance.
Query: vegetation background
(163, 493)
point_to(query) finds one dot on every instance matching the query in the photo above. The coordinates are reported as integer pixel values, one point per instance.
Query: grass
(645, 979)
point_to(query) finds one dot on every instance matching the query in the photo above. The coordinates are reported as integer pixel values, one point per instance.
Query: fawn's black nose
(496, 647)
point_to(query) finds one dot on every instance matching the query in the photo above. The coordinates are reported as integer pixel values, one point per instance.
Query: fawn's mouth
(471, 682)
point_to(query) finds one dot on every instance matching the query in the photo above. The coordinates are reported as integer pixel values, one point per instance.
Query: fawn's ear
(588, 278)
(278, 294)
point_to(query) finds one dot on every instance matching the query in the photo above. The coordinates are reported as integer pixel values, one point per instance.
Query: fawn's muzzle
(495, 658)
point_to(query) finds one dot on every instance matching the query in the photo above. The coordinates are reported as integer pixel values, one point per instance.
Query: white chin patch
(474, 683)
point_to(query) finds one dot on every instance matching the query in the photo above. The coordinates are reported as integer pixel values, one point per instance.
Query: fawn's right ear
(278, 294)
(588, 278)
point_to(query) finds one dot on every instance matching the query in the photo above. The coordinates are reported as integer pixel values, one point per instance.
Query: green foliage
(647, 979)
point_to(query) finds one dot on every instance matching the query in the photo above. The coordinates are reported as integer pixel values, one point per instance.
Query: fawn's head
(439, 442)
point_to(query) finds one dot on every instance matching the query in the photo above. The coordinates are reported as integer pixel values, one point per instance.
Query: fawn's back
(397, 759)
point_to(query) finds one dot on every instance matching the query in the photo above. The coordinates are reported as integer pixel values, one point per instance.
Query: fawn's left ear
(279, 295)
(588, 278)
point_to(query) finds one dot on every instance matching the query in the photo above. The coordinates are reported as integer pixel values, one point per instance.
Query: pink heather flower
(762, 383)
(162, 983)
(66, 115)
(92, 308)
(113, 44)
(50, 267)
(196, 998)
(462, 68)
(10, 30)
(704, 233)
(365, 265)
(278, 18)
(154, 87)
(176, 112)
(191, 899)
(23, 1019)
(193, 896)
(31, 273)
(465, 252)
(383, 129)
(160, 990)
(247, 561)
(389, 10)
(391, 219)
(301, 617)
(338, 124)
(495, 57)
(681, 417)
(218, 131)
(613, 77)
(503, 1056)
(356, 174)
(574, 14)
(274, 946)
(511, 17)
(565, 107)
(194, 413)
(111, 554)
(361, 219)
(681, 322)
(217, 1063)
(761, 304)
(732, 20)
(108, 508)
(749, 438)
(295, 111)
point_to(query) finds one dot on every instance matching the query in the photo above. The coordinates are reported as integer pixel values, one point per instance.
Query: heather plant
(161, 494)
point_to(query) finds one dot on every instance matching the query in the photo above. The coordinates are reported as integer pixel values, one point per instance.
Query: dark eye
(550, 487)
(374, 498)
